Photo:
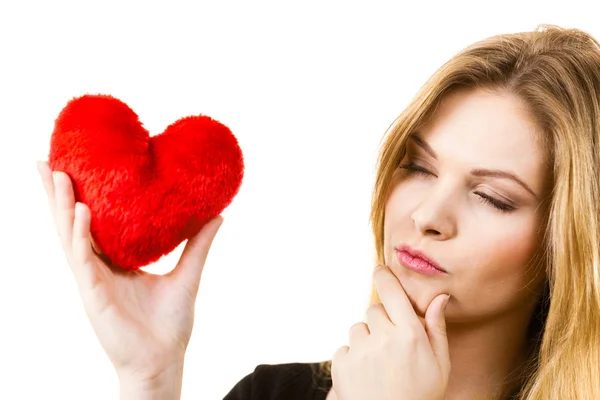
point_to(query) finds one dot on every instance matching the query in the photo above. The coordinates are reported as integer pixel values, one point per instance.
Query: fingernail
(446, 301)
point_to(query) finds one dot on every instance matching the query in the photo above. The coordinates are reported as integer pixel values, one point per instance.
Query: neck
(487, 356)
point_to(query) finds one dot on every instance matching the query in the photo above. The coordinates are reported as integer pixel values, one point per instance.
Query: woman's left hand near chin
(394, 356)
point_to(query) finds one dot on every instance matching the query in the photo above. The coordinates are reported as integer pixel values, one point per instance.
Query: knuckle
(357, 331)
(357, 326)
(340, 352)
(377, 270)
(411, 337)
(374, 309)
(384, 342)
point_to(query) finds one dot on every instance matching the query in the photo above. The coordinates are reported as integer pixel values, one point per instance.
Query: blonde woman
(485, 217)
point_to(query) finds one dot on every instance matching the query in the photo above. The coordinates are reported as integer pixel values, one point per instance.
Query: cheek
(503, 249)
(494, 276)
(488, 256)
(405, 197)
(397, 215)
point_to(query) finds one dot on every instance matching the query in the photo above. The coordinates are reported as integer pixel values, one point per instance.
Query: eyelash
(503, 207)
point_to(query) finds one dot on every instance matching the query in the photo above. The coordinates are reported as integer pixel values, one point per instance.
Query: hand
(394, 356)
(143, 321)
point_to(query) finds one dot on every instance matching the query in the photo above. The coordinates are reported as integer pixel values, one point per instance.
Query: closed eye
(414, 169)
(495, 203)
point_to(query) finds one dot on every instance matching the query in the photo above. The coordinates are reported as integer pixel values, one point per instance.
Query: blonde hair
(556, 73)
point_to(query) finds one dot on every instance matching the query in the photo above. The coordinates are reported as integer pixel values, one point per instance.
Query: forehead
(481, 129)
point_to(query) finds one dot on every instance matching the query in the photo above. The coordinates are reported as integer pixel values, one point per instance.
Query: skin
(464, 352)
(439, 210)
(143, 321)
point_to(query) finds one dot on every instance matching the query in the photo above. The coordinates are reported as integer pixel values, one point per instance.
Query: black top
(294, 381)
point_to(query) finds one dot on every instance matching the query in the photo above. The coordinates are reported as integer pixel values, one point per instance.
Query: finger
(97, 253)
(377, 318)
(65, 208)
(191, 264)
(337, 365)
(337, 357)
(435, 325)
(48, 182)
(359, 332)
(94, 246)
(83, 266)
(332, 395)
(394, 298)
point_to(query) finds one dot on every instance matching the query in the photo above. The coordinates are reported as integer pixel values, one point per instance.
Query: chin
(419, 303)
(420, 291)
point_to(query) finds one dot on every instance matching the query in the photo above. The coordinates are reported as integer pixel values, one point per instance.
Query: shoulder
(289, 381)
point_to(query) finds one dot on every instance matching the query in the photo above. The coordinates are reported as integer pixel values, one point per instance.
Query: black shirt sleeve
(294, 381)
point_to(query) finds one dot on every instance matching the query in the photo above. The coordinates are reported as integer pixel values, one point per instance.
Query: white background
(308, 88)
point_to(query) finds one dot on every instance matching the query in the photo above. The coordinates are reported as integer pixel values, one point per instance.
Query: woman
(487, 191)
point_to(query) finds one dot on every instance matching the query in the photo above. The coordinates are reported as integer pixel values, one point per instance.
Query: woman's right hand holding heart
(143, 321)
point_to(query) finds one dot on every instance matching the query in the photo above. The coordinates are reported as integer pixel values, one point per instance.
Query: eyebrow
(481, 172)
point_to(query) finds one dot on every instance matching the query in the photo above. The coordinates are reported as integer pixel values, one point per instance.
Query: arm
(166, 385)
(143, 321)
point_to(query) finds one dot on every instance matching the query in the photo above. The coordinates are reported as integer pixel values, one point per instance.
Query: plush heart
(146, 194)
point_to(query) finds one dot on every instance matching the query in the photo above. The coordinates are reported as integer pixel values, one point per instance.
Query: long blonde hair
(556, 73)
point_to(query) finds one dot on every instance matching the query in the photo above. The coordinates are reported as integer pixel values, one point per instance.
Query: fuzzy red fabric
(146, 194)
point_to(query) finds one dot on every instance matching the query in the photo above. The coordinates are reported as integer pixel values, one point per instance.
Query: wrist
(165, 384)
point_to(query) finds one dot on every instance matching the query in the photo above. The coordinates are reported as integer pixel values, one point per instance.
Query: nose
(435, 215)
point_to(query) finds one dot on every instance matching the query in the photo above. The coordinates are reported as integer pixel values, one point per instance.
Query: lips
(419, 254)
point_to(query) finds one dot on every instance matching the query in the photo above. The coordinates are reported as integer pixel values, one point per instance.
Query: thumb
(435, 325)
(188, 270)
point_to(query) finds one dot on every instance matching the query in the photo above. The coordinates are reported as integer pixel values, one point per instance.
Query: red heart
(146, 194)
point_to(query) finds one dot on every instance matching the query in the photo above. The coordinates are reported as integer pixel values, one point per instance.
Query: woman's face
(467, 196)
